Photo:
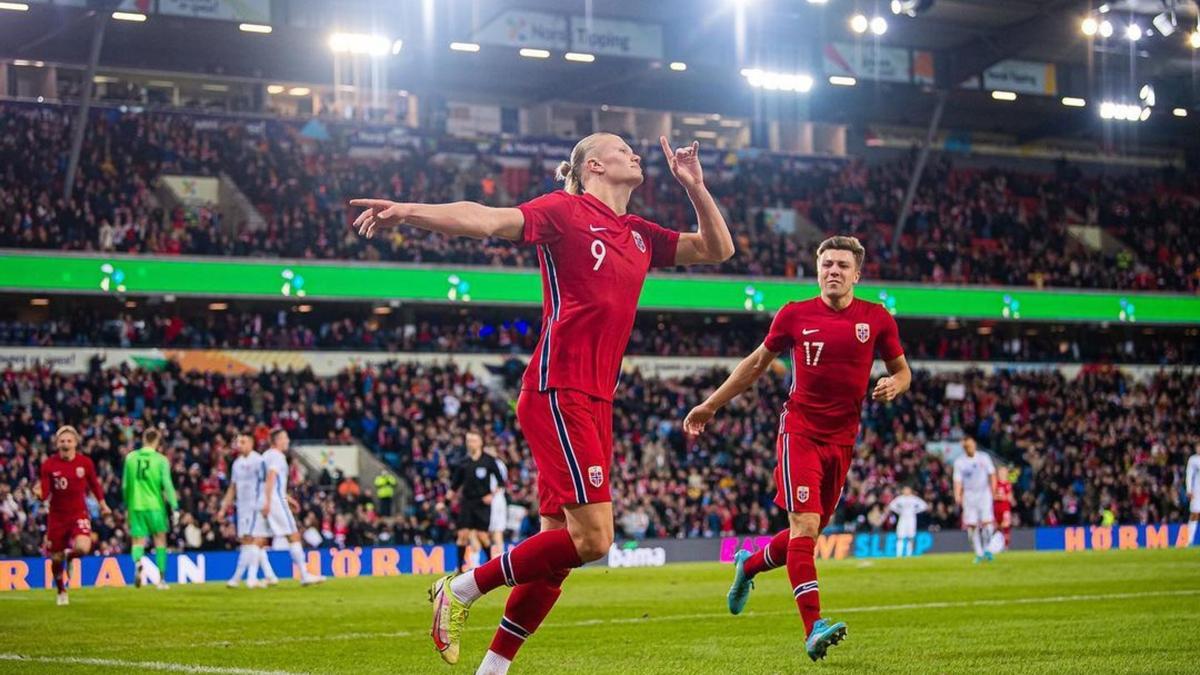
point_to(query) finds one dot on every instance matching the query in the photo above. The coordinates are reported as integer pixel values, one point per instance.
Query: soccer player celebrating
(65, 479)
(906, 507)
(147, 487)
(246, 478)
(594, 256)
(833, 339)
(974, 485)
(276, 507)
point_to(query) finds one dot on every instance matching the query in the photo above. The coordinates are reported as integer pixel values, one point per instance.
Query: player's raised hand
(104, 510)
(684, 163)
(886, 389)
(697, 419)
(378, 214)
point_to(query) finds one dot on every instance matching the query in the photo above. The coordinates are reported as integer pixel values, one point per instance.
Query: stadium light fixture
(695, 121)
(136, 17)
(1073, 102)
(464, 47)
(531, 53)
(1001, 95)
(842, 81)
(39, 302)
(360, 43)
(14, 6)
(275, 88)
(1179, 112)
(579, 57)
(218, 306)
(879, 25)
(1165, 23)
(794, 82)
(1106, 29)
(817, 2)
(1110, 110)
(911, 8)
(299, 91)
(1089, 26)
(678, 66)
(859, 23)
(219, 88)
(397, 45)
(31, 64)
(1194, 40)
(1146, 95)
(1133, 32)
(255, 28)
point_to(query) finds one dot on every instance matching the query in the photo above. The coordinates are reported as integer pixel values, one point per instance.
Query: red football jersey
(593, 264)
(65, 484)
(1003, 492)
(832, 353)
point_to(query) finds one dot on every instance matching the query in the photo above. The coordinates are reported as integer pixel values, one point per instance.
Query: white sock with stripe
(255, 555)
(493, 664)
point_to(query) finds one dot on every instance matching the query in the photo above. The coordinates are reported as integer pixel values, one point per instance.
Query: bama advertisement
(22, 574)
(1105, 538)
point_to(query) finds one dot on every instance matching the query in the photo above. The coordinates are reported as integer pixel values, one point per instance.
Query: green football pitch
(1094, 612)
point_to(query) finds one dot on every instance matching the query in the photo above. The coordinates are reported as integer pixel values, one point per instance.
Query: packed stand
(966, 226)
(449, 332)
(1077, 447)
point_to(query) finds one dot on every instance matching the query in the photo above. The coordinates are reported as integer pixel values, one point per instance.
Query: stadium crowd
(1102, 441)
(967, 225)
(450, 332)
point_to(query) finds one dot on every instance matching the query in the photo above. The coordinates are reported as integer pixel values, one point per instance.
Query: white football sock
(493, 664)
(253, 554)
(975, 541)
(297, 552)
(242, 561)
(265, 563)
(464, 587)
(900, 547)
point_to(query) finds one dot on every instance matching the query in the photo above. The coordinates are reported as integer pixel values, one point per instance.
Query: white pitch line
(712, 615)
(146, 665)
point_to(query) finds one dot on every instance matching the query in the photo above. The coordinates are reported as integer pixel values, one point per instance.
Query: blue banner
(19, 574)
(1104, 538)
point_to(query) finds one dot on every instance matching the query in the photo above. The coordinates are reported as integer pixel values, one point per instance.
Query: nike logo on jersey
(593, 228)
(810, 331)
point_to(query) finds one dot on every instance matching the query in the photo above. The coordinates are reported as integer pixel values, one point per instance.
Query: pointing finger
(371, 203)
(666, 147)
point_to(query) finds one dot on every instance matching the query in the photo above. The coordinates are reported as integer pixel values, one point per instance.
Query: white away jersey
(248, 474)
(274, 460)
(974, 473)
(906, 508)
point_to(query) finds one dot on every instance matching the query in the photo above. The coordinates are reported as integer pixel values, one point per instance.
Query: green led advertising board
(349, 280)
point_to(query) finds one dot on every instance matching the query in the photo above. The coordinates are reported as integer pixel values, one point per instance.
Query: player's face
(616, 161)
(65, 443)
(837, 272)
(283, 441)
(969, 447)
(243, 444)
(1002, 473)
(474, 444)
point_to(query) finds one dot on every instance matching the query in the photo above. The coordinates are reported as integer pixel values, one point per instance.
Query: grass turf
(1094, 612)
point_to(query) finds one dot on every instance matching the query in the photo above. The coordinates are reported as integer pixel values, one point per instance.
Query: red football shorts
(61, 533)
(570, 436)
(810, 475)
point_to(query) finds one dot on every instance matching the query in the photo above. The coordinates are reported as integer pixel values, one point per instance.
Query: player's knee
(804, 525)
(592, 545)
(83, 545)
(557, 578)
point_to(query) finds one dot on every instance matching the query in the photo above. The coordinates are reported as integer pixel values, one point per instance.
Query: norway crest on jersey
(79, 471)
(862, 331)
(639, 242)
(595, 476)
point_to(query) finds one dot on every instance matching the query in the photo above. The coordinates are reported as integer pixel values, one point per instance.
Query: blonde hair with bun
(571, 172)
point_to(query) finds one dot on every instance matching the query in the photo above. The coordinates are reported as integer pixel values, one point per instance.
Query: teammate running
(64, 480)
(1192, 487)
(833, 339)
(148, 490)
(276, 507)
(594, 256)
(1002, 503)
(974, 485)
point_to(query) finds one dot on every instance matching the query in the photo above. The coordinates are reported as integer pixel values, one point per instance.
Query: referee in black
(472, 484)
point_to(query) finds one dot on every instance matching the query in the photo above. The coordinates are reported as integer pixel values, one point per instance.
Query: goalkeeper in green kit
(148, 489)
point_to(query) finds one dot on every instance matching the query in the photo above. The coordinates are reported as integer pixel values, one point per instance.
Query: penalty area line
(143, 665)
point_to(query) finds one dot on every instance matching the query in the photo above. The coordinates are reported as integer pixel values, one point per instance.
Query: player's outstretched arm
(742, 378)
(712, 243)
(459, 219)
